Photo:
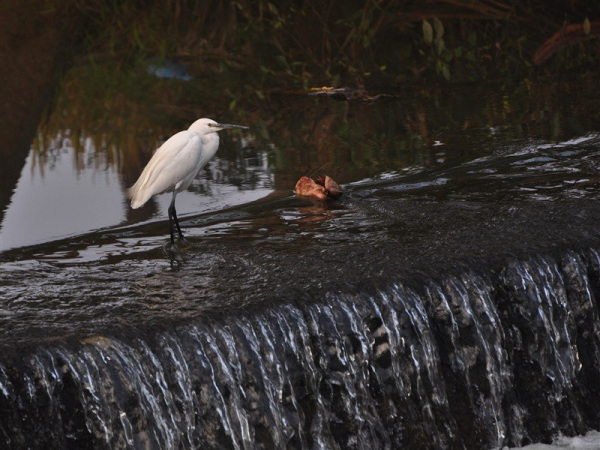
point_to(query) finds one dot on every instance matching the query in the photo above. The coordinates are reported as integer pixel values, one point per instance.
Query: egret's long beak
(224, 126)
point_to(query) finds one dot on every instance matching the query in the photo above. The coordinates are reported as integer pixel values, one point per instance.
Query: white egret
(176, 163)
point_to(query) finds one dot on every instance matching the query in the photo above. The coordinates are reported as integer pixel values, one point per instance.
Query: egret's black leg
(177, 224)
(173, 218)
(170, 210)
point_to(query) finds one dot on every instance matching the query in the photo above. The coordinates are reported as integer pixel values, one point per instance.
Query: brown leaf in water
(321, 189)
(333, 189)
(306, 187)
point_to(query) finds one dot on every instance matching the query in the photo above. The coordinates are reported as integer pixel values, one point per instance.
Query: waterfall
(478, 359)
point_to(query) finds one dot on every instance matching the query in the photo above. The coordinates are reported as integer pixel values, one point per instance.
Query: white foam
(591, 441)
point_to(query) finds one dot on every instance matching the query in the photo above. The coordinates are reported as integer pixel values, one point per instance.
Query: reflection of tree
(353, 140)
(238, 164)
(299, 135)
(35, 50)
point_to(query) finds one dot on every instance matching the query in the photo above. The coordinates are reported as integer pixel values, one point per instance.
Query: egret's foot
(183, 242)
(178, 244)
(173, 253)
(170, 247)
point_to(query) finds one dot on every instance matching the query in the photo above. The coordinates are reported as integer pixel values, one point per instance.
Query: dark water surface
(540, 144)
(461, 261)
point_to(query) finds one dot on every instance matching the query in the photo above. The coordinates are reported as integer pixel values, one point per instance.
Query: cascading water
(475, 360)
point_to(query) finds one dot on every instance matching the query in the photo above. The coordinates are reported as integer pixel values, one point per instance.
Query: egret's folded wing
(171, 163)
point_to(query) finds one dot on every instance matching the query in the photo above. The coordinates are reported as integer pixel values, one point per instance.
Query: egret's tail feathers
(137, 197)
(135, 204)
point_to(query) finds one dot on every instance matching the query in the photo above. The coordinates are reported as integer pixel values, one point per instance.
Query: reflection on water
(62, 192)
(538, 171)
(67, 189)
(368, 211)
(454, 145)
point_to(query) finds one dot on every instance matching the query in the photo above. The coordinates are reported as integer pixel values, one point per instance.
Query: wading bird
(176, 163)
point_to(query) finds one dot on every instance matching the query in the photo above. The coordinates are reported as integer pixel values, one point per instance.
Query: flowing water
(455, 364)
(448, 300)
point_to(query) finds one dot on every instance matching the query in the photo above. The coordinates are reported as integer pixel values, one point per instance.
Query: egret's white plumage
(176, 163)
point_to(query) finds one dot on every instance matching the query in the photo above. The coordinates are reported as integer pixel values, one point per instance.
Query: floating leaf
(333, 189)
(306, 187)
(587, 27)
(439, 28)
(321, 189)
(427, 32)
